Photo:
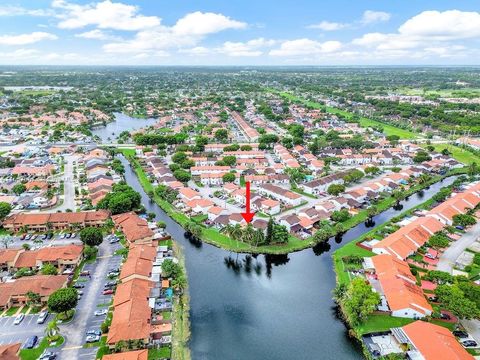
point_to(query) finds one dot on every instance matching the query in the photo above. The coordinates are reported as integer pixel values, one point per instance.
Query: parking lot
(91, 300)
(56, 240)
(10, 333)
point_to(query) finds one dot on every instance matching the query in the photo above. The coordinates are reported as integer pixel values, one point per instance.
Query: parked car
(114, 240)
(78, 285)
(110, 284)
(108, 292)
(31, 342)
(112, 274)
(74, 235)
(18, 319)
(49, 236)
(48, 355)
(94, 332)
(445, 316)
(85, 273)
(62, 236)
(100, 312)
(42, 317)
(469, 343)
(92, 338)
(68, 236)
(460, 334)
(28, 236)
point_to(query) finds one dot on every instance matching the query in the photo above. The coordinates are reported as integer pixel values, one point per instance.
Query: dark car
(49, 236)
(445, 316)
(469, 343)
(31, 342)
(460, 334)
(78, 286)
(48, 355)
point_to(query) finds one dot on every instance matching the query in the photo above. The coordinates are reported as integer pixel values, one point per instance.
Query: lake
(269, 307)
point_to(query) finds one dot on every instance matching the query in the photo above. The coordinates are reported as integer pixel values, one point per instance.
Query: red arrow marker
(248, 216)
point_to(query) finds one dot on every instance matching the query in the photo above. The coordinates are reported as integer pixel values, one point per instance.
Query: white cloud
(196, 51)
(12, 10)
(187, 32)
(429, 29)
(329, 26)
(25, 39)
(250, 48)
(96, 34)
(104, 15)
(301, 47)
(198, 23)
(447, 25)
(370, 17)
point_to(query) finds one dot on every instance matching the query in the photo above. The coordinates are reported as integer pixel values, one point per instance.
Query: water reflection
(321, 248)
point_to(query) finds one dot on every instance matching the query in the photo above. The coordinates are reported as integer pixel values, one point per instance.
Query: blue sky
(239, 32)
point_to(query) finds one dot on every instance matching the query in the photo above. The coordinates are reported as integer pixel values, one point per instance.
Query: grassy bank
(214, 237)
(364, 122)
(181, 313)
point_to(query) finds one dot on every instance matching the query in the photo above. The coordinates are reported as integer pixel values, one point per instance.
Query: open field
(364, 122)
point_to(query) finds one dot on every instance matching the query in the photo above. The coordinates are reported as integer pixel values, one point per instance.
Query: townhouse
(62, 257)
(250, 133)
(135, 229)
(14, 293)
(428, 341)
(399, 293)
(405, 241)
(136, 311)
(286, 196)
(43, 222)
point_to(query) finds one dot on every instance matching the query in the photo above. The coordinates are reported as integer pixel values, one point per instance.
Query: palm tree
(259, 237)
(237, 233)
(424, 178)
(52, 329)
(248, 235)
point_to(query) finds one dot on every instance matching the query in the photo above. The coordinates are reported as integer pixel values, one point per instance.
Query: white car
(100, 312)
(42, 317)
(92, 338)
(19, 319)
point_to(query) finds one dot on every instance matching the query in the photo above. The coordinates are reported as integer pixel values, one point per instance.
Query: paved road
(448, 258)
(446, 263)
(68, 186)
(84, 320)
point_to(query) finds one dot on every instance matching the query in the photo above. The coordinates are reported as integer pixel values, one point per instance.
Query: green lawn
(376, 322)
(459, 154)
(34, 354)
(364, 122)
(11, 311)
(162, 353)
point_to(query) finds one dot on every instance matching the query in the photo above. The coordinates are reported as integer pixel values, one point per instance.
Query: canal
(267, 307)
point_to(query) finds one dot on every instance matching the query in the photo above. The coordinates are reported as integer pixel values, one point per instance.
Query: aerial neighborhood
(229, 213)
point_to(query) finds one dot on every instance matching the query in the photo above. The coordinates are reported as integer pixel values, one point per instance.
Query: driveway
(448, 258)
(68, 186)
(446, 263)
(84, 319)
